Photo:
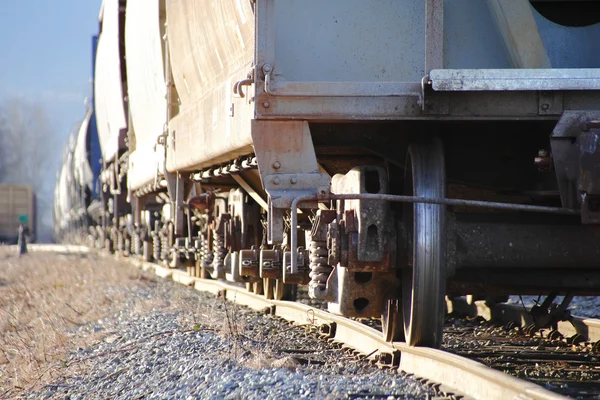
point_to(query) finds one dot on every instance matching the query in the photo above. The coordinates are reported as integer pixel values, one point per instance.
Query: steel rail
(456, 375)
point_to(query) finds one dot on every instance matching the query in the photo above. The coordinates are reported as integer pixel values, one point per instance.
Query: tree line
(28, 154)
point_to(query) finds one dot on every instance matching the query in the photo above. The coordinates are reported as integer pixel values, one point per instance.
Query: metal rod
(412, 199)
(456, 202)
(294, 231)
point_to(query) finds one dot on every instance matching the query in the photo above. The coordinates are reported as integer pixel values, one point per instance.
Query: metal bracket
(566, 150)
(550, 103)
(287, 161)
(176, 194)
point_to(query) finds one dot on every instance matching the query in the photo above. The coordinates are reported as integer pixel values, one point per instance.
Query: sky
(45, 47)
(46, 58)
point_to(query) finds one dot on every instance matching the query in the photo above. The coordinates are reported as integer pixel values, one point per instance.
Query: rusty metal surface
(287, 160)
(485, 242)
(371, 221)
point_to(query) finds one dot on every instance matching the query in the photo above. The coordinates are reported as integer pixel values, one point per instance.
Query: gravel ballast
(170, 341)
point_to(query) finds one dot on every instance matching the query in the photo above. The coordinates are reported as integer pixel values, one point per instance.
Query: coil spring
(205, 254)
(136, 243)
(164, 247)
(133, 242)
(120, 241)
(319, 270)
(219, 254)
(156, 247)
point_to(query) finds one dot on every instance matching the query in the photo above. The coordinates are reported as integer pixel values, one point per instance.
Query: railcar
(78, 207)
(17, 208)
(384, 153)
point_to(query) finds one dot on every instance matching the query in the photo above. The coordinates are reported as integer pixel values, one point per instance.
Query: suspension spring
(120, 241)
(164, 247)
(155, 246)
(319, 270)
(219, 251)
(206, 256)
(134, 240)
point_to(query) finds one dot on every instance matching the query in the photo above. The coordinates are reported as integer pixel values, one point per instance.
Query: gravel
(174, 342)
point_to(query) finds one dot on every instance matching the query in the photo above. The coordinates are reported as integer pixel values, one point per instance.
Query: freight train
(384, 153)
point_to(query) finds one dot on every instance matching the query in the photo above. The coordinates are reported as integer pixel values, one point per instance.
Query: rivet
(276, 165)
(266, 104)
(294, 180)
(277, 180)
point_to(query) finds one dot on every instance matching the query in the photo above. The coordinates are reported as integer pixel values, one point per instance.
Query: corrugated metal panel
(145, 71)
(15, 201)
(211, 46)
(110, 110)
(83, 171)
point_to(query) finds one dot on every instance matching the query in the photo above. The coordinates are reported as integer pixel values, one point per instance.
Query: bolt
(267, 68)
(277, 180)
(294, 180)
(266, 104)
(545, 106)
(276, 165)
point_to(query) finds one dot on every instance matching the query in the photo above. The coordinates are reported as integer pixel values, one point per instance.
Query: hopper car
(78, 206)
(383, 153)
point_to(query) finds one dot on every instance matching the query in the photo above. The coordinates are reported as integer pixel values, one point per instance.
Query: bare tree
(27, 153)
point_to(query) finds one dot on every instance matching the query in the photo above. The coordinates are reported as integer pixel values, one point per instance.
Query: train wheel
(423, 280)
(285, 291)
(391, 322)
(257, 287)
(269, 288)
(204, 272)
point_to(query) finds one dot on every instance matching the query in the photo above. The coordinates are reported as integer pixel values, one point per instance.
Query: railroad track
(453, 372)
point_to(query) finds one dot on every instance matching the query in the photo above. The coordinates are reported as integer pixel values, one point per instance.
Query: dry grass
(43, 297)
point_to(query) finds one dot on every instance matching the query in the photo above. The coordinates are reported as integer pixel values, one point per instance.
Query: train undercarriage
(371, 245)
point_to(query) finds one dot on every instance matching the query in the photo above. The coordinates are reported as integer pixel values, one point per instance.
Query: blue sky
(46, 55)
(46, 58)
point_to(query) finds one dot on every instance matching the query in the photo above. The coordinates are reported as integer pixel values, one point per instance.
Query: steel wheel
(269, 288)
(424, 281)
(391, 322)
(284, 291)
(258, 287)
